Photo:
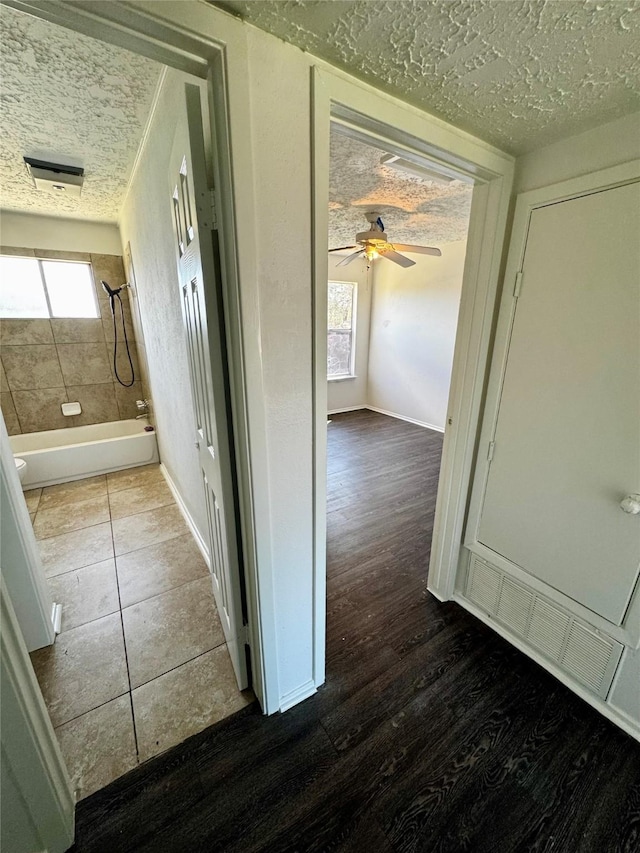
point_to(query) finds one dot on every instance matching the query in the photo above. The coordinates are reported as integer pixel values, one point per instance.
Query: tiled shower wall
(49, 362)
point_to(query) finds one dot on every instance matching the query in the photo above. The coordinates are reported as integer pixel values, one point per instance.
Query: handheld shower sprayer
(113, 294)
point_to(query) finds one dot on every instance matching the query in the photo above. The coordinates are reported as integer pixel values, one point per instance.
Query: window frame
(341, 377)
(43, 279)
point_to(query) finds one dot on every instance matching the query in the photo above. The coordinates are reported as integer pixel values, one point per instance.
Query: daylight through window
(32, 288)
(341, 326)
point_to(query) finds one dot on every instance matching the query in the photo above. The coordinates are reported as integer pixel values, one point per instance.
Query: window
(341, 326)
(30, 287)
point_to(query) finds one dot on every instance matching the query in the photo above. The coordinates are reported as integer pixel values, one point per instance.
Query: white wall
(604, 146)
(146, 224)
(349, 393)
(414, 314)
(57, 233)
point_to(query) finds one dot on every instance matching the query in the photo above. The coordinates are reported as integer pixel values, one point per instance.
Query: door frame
(156, 30)
(628, 632)
(371, 115)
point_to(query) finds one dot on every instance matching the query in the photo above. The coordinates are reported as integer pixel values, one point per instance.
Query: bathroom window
(341, 330)
(30, 288)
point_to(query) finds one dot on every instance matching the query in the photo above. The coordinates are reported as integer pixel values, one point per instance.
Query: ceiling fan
(374, 244)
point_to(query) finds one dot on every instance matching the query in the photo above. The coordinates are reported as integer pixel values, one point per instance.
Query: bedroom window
(31, 288)
(341, 330)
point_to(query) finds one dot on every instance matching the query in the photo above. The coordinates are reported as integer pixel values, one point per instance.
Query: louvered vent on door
(587, 656)
(483, 586)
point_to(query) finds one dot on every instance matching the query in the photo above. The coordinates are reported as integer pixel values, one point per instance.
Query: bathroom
(98, 402)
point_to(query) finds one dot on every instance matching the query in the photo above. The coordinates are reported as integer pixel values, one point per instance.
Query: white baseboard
(293, 697)
(404, 418)
(346, 409)
(202, 545)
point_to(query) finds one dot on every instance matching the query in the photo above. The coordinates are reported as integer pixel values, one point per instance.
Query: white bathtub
(60, 455)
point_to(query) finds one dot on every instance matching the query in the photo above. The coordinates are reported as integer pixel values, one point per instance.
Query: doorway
(127, 547)
(393, 299)
(368, 116)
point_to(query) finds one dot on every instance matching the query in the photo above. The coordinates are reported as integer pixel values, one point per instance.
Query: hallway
(141, 661)
(431, 733)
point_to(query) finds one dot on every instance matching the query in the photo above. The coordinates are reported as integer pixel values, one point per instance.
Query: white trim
(372, 115)
(347, 409)
(405, 418)
(341, 378)
(30, 748)
(200, 542)
(609, 711)
(299, 694)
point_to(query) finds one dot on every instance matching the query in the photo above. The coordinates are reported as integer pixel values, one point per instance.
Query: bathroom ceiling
(519, 74)
(414, 210)
(69, 99)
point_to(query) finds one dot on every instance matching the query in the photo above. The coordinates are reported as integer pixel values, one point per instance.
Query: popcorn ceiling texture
(70, 99)
(518, 73)
(413, 210)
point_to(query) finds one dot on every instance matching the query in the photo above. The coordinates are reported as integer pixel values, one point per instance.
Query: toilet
(21, 466)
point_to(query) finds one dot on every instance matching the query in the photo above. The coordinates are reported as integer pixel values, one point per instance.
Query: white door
(567, 437)
(198, 271)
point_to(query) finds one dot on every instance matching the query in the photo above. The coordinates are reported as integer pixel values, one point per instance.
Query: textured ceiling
(517, 73)
(70, 99)
(413, 210)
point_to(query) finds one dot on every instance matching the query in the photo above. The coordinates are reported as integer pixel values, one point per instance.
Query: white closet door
(567, 441)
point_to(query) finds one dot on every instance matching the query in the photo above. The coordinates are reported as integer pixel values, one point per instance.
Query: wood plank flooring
(431, 733)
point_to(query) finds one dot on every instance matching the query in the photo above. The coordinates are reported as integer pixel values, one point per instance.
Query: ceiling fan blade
(418, 250)
(391, 255)
(350, 258)
(342, 248)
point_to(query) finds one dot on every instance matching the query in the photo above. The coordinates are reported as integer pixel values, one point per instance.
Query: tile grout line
(124, 641)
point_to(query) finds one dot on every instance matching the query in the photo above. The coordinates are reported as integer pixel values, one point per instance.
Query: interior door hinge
(214, 210)
(492, 445)
(243, 636)
(518, 285)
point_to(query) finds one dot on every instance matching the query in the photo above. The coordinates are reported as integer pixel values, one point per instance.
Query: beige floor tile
(32, 499)
(99, 746)
(185, 701)
(139, 499)
(147, 528)
(70, 516)
(77, 549)
(131, 477)
(170, 629)
(158, 568)
(84, 668)
(86, 594)
(77, 490)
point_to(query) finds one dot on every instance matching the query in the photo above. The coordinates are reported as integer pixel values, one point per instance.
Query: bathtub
(60, 455)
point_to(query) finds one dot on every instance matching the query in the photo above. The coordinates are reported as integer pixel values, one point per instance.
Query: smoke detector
(54, 178)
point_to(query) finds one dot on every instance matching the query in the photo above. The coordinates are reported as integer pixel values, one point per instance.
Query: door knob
(631, 504)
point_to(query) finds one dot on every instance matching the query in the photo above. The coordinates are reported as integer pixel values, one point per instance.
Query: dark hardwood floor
(431, 733)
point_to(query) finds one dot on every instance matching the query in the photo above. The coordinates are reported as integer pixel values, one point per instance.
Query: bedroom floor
(141, 661)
